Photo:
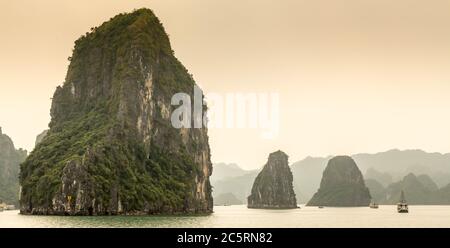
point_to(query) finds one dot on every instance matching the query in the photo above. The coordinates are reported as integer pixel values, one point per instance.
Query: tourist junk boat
(402, 206)
(373, 205)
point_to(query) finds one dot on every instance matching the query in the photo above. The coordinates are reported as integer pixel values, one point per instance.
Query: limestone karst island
(342, 185)
(273, 185)
(111, 148)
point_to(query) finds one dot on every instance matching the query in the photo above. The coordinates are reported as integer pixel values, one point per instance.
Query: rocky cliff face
(10, 159)
(111, 148)
(342, 185)
(273, 186)
(40, 137)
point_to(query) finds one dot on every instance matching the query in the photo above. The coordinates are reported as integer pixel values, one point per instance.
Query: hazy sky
(353, 75)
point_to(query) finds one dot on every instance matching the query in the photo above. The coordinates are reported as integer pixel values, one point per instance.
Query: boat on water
(402, 206)
(373, 205)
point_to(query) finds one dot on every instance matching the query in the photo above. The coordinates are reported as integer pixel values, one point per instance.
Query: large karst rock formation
(273, 186)
(342, 185)
(111, 148)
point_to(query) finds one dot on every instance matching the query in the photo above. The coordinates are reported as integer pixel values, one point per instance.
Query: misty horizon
(334, 155)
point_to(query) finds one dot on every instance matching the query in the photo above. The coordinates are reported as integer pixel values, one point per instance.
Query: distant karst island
(273, 186)
(10, 159)
(342, 185)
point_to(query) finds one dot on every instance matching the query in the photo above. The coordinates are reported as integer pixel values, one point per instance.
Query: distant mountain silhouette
(222, 171)
(307, 175)
(399, 163)
(240, 186)
(377, 190)
(10, 160)
(427, 182)
(419, 190)
(442, 196)
(384, 178)
(384, 168)
(416, 193)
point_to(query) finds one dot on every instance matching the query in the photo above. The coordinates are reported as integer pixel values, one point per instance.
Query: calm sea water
(240, 216)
